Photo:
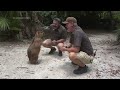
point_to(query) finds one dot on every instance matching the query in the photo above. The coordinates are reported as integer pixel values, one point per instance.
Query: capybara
(34, 48)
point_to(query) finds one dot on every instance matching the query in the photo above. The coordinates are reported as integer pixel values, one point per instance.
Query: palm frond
(4, 23)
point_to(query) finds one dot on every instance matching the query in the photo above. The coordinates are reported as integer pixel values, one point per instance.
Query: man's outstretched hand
(63, 48)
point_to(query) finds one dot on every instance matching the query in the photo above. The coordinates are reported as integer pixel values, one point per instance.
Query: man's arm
(72, 49)
(60, 41)
(76, 45)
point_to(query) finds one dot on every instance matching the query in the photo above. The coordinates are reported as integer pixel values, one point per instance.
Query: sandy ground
(14, 61)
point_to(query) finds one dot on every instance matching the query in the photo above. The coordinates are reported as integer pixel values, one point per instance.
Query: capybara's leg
(34, 60)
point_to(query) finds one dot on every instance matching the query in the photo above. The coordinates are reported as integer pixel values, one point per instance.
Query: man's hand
(52, 26)
(63, 48)
(68, 45)
(72, 49)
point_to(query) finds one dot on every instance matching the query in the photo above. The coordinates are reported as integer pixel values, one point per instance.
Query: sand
(14, 61)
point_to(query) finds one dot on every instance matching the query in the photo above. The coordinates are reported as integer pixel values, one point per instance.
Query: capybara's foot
(34, 62)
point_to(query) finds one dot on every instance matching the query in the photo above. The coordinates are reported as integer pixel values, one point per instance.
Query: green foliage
(116, 14)
(47, 16)
(4, 23)
(104, 15)
(15, 24)
(48, 13)
(9, 28)
(86, 19)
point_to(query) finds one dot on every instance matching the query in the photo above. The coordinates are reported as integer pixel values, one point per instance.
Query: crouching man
(80, 51)
(58, 35)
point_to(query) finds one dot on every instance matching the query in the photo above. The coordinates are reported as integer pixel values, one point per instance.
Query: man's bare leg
(48, 44)
(59, 46)
(82, 67)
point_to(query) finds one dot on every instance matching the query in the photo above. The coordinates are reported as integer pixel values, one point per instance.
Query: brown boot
(52, 50)
(60, 53)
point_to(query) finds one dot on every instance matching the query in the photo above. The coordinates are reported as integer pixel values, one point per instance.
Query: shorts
(85, 58)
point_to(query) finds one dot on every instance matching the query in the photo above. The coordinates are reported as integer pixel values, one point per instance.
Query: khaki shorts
(85, 58)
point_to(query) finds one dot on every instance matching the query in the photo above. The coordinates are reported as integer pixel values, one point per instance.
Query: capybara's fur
(34, 48)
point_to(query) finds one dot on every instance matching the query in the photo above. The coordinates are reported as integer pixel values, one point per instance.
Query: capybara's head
(39, 34)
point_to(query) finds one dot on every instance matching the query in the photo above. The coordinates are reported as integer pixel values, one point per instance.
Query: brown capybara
(34, 48)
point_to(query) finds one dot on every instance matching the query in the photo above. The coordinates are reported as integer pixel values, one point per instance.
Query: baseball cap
(70, 19)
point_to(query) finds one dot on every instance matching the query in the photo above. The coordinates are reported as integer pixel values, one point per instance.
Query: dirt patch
(14, 61)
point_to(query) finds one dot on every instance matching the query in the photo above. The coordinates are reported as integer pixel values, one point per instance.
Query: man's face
(56, 24)
(69, 26)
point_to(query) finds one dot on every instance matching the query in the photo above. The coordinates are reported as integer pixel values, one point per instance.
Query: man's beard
(56, 27)
(69, 30)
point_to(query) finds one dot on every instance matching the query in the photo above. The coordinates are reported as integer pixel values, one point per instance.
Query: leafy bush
(4, 24)
(47, 16)
(9, 28)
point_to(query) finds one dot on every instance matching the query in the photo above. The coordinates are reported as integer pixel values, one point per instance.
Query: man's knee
(60, 45)
(47, 43)
(72, 56)
(44, 44)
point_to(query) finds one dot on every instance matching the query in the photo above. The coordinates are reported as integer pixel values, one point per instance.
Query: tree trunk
(36, 24)
(30, 26)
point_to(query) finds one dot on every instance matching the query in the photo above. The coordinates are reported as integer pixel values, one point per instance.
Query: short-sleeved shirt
(59, 33)
(80, 39)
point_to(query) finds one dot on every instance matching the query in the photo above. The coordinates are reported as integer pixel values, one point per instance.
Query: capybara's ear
(42, 33)
(39, 32)
(36, 34)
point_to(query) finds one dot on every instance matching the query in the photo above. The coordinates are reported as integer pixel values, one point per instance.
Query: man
(80, 51)
(58, 35)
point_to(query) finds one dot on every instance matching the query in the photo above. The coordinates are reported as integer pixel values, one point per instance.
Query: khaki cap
(70, 19)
